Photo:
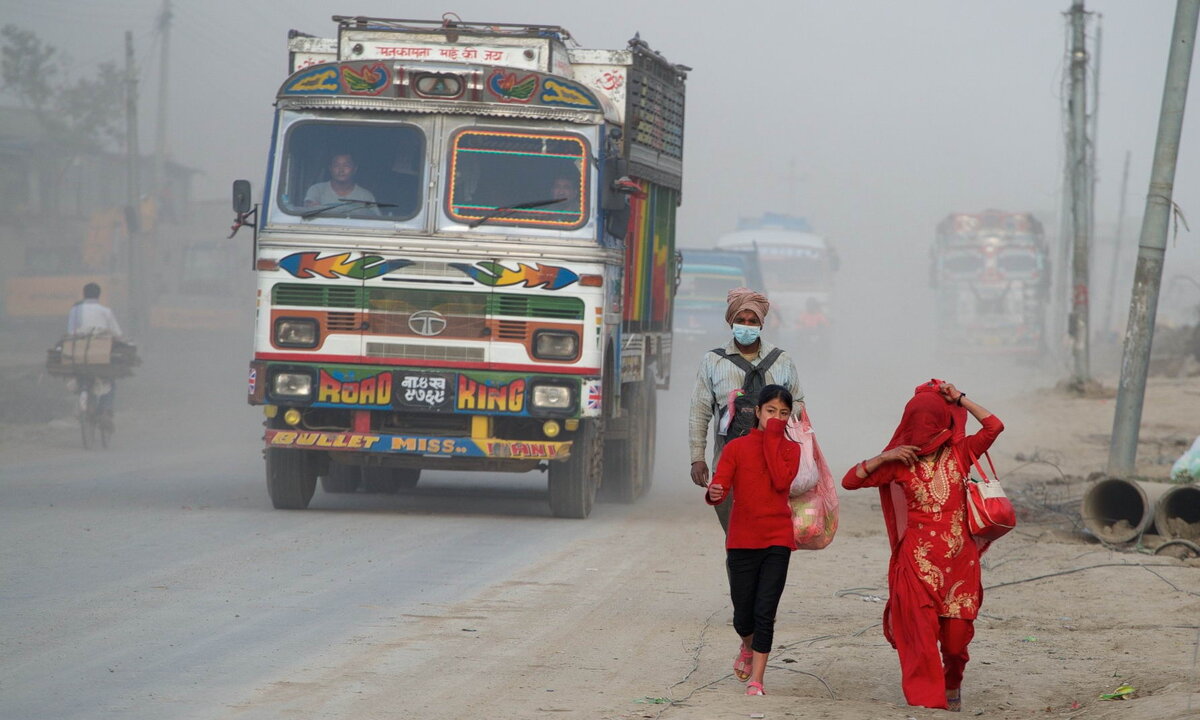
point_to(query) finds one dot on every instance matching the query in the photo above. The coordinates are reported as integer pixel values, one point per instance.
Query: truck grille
(404, 351)
(407, 301)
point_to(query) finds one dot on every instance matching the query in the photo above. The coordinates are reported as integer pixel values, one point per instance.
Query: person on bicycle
(86, 317)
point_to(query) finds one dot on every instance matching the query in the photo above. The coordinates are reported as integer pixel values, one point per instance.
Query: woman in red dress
(933, 576)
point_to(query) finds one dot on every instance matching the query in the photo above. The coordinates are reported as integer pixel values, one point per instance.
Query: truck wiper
(502, 211)
(347, 201)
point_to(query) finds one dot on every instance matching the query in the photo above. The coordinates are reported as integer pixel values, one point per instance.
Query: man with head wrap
(720, 373)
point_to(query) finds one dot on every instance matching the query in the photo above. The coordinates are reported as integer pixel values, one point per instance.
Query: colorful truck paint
(506, 310)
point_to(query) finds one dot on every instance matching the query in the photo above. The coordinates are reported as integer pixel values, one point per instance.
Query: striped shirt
(718, 377)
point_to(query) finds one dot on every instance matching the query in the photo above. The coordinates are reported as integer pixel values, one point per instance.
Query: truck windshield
(361, 170)
(518, 178)
(786, 266)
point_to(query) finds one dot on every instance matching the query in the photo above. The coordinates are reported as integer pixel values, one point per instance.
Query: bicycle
(95, 416)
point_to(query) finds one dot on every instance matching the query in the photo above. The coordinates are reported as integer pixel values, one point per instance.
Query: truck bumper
(418, 445)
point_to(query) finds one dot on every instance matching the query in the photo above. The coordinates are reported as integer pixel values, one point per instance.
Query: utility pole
(1152, 246)
(160, 123)
(1111, 297)
(132, 189)
(1080, 190)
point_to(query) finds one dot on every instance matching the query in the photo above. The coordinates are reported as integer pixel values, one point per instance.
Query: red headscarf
(929, 422)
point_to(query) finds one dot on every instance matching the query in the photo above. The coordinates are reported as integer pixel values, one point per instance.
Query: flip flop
(755, 688)
(741, 666)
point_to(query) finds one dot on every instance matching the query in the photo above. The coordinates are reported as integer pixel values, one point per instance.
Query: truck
(706, 277)
(495, 292)
(799, 266)
(990, 272)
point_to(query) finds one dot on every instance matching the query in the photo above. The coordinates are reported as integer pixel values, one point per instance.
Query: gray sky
(891, 114)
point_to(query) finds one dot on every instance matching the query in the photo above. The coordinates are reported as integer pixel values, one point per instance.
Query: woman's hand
(716, 493)
(906, 454)
(951, 393)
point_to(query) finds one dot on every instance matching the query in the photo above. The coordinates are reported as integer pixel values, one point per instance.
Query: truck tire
(573, 482)
(630, 461)
(388, 480)
(291, 478)
(342, 478)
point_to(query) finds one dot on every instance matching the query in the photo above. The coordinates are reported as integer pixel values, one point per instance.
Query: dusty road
(154, 580)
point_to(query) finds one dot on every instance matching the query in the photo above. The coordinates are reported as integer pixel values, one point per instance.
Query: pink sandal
(755, 688)
(741, 666)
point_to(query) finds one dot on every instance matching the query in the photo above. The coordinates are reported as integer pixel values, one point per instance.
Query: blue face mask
(746, 334)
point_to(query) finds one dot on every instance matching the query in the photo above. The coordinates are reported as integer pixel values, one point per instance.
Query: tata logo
(427, 323)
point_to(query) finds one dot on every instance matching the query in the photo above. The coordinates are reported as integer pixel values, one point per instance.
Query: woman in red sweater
(758, 468)
(933, 576)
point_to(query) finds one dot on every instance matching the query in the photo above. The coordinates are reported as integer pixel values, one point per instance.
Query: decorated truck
(990, 272)
(465, 252)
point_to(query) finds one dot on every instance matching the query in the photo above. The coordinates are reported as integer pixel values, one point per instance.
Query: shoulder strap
(769, 360)
(738, 360)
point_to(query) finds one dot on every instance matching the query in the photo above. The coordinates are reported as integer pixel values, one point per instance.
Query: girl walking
(934, 588)
(757, 469)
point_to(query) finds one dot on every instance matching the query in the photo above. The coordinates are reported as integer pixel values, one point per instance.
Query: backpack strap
(736, 359)
(769, 360)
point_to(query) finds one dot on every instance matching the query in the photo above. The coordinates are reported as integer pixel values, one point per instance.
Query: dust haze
(873, 120)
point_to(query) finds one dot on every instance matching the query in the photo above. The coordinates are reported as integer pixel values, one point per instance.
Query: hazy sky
(873, 118)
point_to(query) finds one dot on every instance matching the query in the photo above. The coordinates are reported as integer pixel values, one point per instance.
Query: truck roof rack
(451, 22)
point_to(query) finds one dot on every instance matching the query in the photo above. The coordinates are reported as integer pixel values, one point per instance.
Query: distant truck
(705, 280)
(798, 267)
(495, 292)
(990, 272)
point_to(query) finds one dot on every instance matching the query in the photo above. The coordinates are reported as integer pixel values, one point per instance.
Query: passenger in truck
(341, 188)
(403, 196)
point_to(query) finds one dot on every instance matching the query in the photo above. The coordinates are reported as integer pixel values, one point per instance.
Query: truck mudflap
(424, 445)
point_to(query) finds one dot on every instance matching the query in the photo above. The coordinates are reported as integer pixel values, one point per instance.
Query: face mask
(746, 334)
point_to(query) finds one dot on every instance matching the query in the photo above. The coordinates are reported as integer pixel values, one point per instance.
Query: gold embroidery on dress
(929, 573)
(956, 604)
(955, 538)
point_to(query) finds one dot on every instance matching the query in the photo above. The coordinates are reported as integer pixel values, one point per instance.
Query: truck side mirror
(241, 196)
(612, 197)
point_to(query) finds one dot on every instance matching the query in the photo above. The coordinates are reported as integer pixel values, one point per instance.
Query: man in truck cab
(723, 370)
(341, 188)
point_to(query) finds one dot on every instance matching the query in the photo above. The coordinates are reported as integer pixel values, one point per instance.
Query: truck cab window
(518, 178)
(358, 170)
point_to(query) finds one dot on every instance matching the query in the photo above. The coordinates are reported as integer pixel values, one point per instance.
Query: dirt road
(155, 580)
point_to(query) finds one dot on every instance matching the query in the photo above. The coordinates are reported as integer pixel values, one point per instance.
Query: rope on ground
(1160, 577)
(1073, 570)
(832, 696)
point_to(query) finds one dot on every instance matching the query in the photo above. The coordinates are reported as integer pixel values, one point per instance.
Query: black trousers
(756, 580)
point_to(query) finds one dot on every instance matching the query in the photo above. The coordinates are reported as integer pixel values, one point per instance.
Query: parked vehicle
(500, 296)
(991, 275)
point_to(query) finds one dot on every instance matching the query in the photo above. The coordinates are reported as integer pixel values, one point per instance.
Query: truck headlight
(555, 345)
(292, 385)
(552, 397)
(296, 332)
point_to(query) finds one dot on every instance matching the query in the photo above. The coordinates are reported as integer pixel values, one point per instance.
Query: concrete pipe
(1177, 514)
(1119, 511)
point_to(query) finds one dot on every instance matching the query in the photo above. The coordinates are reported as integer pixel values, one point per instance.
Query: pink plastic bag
(815, 512)
(800, 431)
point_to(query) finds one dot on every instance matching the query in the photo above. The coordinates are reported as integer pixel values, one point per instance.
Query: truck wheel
(630, 461)
(342, 478)
(573, 482)
(291, 478)
(388, 480)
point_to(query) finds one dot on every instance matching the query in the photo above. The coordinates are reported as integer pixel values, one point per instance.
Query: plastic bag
(815, 512)
(800, 431)
(1187, 468)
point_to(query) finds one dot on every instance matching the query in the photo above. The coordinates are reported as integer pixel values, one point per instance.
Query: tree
(84, 111)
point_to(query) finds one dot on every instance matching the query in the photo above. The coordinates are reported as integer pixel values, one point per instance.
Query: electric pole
(1152, 246)
(132, 189)
(1111, 299)
(1080, 190)
(160, 123)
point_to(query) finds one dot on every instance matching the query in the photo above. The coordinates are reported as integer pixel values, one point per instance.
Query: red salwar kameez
(933, 575)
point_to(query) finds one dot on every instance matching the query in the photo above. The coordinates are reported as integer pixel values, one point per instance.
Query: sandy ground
(637, 626)
(635, 623)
